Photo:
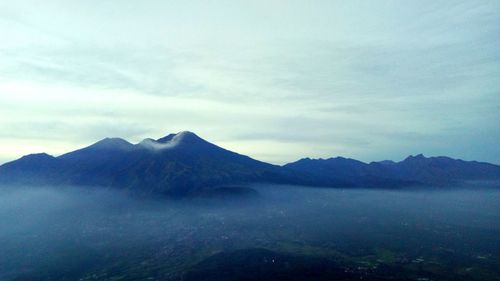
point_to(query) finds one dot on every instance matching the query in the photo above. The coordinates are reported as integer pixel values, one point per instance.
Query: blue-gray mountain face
(183, 163)
(177, 164)
(414, 170)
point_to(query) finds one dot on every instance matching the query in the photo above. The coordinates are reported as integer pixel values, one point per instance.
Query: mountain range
(183, 164)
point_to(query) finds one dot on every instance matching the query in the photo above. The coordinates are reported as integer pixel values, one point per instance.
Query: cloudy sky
(276, 80)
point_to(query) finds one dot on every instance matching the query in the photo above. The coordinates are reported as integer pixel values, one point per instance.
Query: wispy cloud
(366, 80)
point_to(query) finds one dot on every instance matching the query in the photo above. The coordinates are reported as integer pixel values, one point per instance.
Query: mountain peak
(38, 155)
(185, 133)
(107, 143)
(166, 138)
(186, 136)
(181, 137)
(416, 157)
(385, 162)
(172, 140)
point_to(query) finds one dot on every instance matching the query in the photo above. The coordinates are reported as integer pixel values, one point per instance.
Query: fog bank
(73, 233)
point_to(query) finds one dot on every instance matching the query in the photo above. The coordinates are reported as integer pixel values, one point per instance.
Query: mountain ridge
(175, 165)
(183, 164)
(436, 170)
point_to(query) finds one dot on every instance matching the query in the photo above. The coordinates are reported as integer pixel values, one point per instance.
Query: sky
(275, 80)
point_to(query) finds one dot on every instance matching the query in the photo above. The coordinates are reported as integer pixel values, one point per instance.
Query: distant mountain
(344, 172)
(414, 170)
(183, 164)
(177, 164)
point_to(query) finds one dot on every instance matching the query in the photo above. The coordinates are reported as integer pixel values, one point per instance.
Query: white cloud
(275, 80)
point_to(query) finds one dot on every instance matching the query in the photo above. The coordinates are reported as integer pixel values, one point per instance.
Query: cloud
(364, 80)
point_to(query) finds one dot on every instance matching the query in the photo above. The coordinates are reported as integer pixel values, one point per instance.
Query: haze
(96, 234)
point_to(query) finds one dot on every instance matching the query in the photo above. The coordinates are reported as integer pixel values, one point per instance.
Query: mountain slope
(182, 164)
(177, 164)
(346, 172)
(414, 170)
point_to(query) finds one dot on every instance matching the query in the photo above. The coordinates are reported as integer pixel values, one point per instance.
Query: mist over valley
(284, 233)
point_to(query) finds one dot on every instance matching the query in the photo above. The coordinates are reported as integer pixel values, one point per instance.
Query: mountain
(414, 170)
(176, 165)
(184, 164)
(346, 172)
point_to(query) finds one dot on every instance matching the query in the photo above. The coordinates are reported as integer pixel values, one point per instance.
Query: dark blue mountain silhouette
(414, 170)
(177, 164)
(182, 164)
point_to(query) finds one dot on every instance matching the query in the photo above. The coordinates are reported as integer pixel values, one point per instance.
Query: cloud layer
(272, 79)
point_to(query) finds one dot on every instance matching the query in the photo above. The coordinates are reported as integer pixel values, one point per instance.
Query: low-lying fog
(73, 233)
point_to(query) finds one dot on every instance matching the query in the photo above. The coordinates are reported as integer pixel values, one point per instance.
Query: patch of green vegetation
(302, 248)
(386, 256)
